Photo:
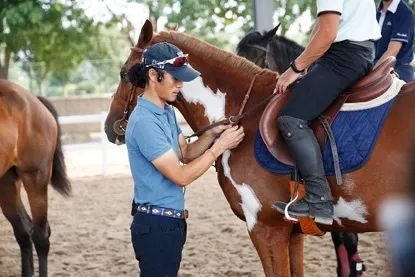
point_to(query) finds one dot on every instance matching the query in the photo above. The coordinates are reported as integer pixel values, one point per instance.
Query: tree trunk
(4, 69)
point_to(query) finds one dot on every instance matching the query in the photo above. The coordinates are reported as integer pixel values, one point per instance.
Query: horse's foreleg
(16, 214)
(297, 255)
(346, 254)
(35, 183)
(272, 245)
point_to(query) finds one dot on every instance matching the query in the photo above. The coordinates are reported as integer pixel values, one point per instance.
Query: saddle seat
(374, 84)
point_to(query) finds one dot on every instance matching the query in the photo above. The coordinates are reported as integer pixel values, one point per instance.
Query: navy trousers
(341, 66)
(158, 243)
(405, 72)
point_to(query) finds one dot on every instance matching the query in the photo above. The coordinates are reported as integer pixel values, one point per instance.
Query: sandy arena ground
(90, 230)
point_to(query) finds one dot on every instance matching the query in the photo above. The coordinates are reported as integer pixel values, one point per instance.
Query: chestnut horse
(277, 52)
(31, 154)
(251, 190)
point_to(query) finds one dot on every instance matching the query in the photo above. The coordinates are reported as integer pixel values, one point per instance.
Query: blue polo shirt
(398, 26)
(151, 132)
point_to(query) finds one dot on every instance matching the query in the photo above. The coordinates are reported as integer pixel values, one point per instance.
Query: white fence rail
(89, 118)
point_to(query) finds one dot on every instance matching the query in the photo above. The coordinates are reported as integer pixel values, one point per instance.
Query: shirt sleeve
(325, 6)
(402, 27)
(150, 138)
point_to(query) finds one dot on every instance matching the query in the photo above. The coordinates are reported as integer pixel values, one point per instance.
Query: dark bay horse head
(250, 189)
(269, 50)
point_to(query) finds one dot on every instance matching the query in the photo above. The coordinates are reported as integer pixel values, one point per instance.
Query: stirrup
(287, 215)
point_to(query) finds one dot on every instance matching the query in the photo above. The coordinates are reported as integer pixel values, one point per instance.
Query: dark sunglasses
(175, 62)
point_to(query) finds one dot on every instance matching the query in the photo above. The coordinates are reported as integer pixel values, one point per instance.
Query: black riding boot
(318, 201)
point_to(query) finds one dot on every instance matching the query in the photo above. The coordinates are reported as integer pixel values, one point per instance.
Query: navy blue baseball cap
(168, 57)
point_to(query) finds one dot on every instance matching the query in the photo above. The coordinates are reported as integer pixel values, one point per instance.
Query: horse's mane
(283, 51)
(209, 52)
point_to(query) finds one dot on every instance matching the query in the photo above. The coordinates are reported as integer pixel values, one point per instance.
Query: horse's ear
(271, 33)
(146, 34)
(174, 27)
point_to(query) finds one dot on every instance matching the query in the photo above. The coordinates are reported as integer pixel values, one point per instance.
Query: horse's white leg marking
(353, 210)
(214, 103)
(250, 203)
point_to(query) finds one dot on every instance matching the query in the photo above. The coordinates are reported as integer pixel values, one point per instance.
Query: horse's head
(254, 46)
(269, 50)
(124, 99)
(219, 90)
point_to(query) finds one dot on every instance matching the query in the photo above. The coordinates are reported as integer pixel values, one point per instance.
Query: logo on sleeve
(401, 35)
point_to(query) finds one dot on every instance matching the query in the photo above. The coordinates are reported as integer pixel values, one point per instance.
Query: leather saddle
(374, 84)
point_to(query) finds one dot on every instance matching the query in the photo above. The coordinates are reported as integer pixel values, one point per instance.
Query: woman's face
(169, 87)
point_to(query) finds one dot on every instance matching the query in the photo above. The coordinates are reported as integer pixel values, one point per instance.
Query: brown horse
(251, 190)
(276, 53)
(30, 153)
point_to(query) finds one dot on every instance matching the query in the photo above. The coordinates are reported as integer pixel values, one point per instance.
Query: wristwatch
(295, 69)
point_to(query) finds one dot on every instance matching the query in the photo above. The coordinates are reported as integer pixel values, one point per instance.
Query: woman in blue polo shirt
(396, 19)
(156, 149)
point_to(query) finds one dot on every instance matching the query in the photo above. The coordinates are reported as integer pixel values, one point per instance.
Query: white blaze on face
(250, 203)
(354, 210)
(214, 103)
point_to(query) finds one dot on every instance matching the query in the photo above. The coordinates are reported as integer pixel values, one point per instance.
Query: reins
(120, 125)
(235, 119)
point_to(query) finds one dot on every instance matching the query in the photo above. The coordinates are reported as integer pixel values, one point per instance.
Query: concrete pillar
(263, 13)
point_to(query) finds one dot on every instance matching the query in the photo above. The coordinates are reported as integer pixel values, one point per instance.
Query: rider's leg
(318, 201)
(342, 65)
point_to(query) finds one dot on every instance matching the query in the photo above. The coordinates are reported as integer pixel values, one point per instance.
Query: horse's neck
(222, 71)
(283, 51)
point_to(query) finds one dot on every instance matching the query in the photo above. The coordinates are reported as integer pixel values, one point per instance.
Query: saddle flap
(269, 129)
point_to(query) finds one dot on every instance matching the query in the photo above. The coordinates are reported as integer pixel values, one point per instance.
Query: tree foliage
(209, 18)
(46, 36)
(288, 11)
(203, 18)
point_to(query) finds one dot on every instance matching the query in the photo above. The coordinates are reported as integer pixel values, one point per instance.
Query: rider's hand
(286, 79)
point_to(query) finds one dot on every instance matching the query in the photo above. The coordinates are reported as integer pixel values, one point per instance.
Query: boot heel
(324, 220)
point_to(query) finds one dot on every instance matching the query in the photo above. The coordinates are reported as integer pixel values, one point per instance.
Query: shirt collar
(392, 7)
(151, 106)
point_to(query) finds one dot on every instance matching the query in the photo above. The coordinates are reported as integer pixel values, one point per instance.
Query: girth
(374, 84)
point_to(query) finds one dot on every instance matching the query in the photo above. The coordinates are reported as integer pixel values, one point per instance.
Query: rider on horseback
(340, 52)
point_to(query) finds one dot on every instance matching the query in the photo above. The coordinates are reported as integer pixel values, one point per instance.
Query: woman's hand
(229, 139)
(216, 131)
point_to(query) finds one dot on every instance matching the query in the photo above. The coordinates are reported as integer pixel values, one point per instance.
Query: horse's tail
(59, 180)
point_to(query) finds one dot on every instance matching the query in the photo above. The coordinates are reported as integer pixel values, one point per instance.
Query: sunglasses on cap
(175, 62)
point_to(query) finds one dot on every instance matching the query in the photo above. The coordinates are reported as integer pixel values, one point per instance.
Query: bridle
(120, 125)
(262, 48)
